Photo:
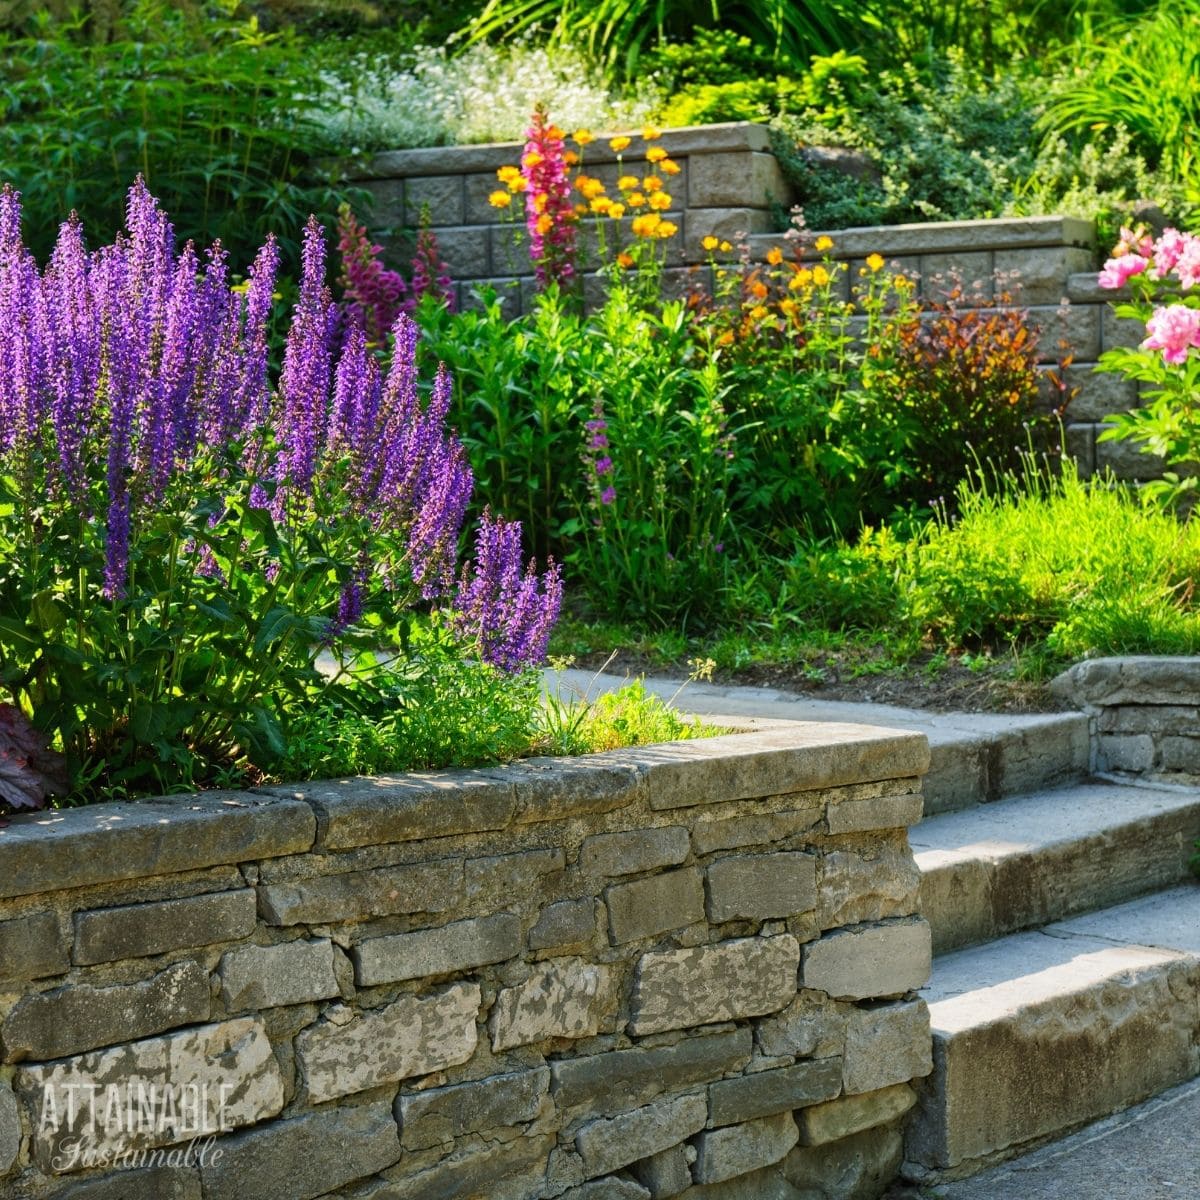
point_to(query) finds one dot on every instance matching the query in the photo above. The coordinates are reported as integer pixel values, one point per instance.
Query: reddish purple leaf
(29, 770)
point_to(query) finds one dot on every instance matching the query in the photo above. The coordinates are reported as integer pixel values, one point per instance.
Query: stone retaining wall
(1144, 712)
(687, 970)
(727, 184)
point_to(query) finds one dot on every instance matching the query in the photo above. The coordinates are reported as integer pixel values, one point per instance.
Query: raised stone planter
(634, 975)
(1144, 712)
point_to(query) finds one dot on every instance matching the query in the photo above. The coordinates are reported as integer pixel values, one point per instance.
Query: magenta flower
(1174, 330)
(549, 214)
(1118, 271)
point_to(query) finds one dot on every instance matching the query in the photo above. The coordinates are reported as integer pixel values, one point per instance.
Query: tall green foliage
(212, 111)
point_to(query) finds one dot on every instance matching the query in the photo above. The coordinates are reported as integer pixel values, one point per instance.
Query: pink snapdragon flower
(1118, 271)
(1174, 330)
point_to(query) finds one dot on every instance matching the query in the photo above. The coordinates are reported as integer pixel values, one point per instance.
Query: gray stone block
(879, 812)
(84, 846)
(460, 946)
(609, 1144)
(1042, 274)
(140, 930)
(1177, 753)
(970, 270)
(551, 789)
(840, 1118)
(766, 1093)
(654, 905)
(1130, 680)
(858, 1167)
(564, 923)
(439, 1115)
(664, 1174)
(32, 947)
(562, 998)
(272, 976)
(304, 1157)
(231, 1064)
(444, 196)
(1125, 752)
(611, 1081)
(746, 977)
(79, 1017)
(384, 809)
(736, 178)
(886, 1045)
(812, 1026)
(1098, 394)
(1119, 332)
(763, 830)
(1074, 330)
(1080, 444)
(859, 964)
(739, 1149)
(352, 1051)
(613, 1188)
(386, 210)
(634, 850)
(873, 883)
(10, 1129)
(432, 887)
(500, 877)
(731, 223)
(157, 1183)
(757, 887)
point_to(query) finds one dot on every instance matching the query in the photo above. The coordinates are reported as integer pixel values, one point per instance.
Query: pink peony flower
(1173, 330)
(1117, 271)
(1168, 250)
(1134, 241)
(1188, 266)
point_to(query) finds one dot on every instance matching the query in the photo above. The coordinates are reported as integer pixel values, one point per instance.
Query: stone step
(1025, 860)
(1037, 1034)
(975, 757)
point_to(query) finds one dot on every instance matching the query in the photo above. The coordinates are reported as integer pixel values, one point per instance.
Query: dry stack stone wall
(727, 185)
(688, 970)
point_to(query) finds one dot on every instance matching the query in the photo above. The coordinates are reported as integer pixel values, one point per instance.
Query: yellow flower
(616, 211)
(726, 339)
(618, 144)
(500, 199)
(788, 306)
(544, 224)
(651, 133)
(655, 154)
(504, 174)
(726, 247)
(532, 159)
(900, 281)
(652, 183)
(666, 229)
(635, 200)
(627, 183)
(518, 183)
(624, 260)
(758, 290)
(646, 225)
(601, 204)
(758, 312)
(822, 244)
(820, 276)
(571, 158)
(583, 137)
(774, 256)
(660, 201)
(875, 262)
(591, 188)
(709, 243)
(669, 167)
(581, 210)
(801, 279)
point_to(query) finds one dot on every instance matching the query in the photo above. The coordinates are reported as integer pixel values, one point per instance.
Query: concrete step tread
(1028, 823)
(989, 983)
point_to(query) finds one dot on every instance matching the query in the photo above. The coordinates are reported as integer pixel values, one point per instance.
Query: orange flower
(518, 183)
(591, 188)
(540, 200)
(532, 159)
(655, 154)
(774, 256)
(726, 339)
(758, 290)
(616, 211)
(583, 137)
(571, 158)
(500, 199)
(581, 210)
(601, 204)
(660, 201)
(822, 244)
(759, 311)
(627, 183)
(635, 200)
(646, 225)
(544, 224)
(666, 229)
(624, 260)
(669, 167)
(618, 144)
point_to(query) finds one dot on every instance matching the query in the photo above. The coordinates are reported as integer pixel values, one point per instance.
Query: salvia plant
(182, 533)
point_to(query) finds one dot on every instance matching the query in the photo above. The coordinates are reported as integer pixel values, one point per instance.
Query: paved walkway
(1151, 1152)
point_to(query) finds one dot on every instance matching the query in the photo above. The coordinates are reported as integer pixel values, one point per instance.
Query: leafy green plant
(214, 113)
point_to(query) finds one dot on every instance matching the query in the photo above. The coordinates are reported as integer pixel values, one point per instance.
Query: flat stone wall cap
(107, 843)
(549, 789)
(369, 810)
(1136, 679)
(944, 237)
(486, 157)
(803, 757)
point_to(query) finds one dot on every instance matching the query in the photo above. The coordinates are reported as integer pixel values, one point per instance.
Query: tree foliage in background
(213, 112)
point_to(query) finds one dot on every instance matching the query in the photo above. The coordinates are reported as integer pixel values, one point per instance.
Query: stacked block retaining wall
(728, 182)
(649, 973)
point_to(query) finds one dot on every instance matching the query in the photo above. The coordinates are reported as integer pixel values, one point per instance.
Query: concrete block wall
(727, 182)
(651, 973)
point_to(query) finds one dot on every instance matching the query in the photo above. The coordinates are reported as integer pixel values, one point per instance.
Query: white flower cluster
(484, 94)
